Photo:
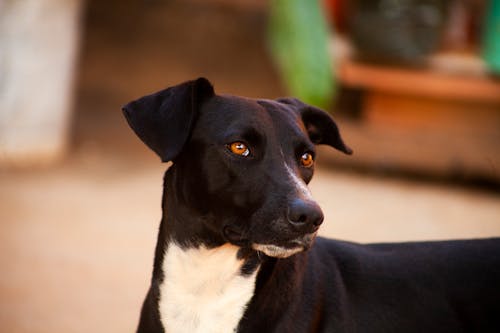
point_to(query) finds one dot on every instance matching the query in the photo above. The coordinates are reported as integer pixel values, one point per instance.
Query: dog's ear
(164, 120)
(320, 126)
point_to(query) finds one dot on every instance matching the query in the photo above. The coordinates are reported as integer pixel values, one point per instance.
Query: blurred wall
(133, 47)
(39, 42)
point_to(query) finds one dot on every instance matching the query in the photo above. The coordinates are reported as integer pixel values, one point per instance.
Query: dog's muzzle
(284, 251)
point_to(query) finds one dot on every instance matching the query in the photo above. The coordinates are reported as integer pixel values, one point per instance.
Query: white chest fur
(203, 289)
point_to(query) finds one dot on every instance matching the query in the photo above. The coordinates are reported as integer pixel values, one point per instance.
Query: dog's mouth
(282, 249)
(288, 249)
(276, 251)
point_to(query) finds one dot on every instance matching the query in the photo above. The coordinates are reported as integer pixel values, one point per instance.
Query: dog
(237, 249)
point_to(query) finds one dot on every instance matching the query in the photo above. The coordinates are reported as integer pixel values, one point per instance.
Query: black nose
(305, 214)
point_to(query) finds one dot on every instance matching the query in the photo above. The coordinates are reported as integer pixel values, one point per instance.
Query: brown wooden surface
(419, 82)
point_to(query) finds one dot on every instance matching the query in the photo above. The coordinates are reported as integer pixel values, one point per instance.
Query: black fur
(451, 286)
(212, 197)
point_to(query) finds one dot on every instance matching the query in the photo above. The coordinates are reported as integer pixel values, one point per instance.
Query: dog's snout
(305, 214)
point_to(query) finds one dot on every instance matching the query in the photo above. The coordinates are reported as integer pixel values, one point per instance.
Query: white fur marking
(203, 290)
(300, 185)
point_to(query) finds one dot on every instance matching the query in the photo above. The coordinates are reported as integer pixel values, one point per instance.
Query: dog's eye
(307, 160)
(239, 148)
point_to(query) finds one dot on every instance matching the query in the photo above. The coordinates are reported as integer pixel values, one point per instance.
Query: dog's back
(445, 286)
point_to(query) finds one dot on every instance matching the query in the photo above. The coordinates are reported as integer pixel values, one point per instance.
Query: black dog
(235, 248)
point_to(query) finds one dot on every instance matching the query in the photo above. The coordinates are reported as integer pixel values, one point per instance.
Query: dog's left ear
(320, 126)
(164, 120)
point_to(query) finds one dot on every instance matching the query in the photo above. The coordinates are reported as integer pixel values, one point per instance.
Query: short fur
(204, 291)
(240, 232)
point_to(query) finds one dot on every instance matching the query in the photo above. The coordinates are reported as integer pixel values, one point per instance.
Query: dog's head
(241, 165)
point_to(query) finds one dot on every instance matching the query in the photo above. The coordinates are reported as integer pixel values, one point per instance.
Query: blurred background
(413, 84)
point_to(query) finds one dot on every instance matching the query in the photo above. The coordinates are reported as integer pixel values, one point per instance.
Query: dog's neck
(182, 220)
(204, 283)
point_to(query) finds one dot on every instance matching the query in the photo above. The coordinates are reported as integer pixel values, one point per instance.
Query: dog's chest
(203, 289)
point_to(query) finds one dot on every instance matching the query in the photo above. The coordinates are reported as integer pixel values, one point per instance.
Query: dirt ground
(77, 239)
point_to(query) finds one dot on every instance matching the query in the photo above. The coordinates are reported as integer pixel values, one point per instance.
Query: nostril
(302, 219)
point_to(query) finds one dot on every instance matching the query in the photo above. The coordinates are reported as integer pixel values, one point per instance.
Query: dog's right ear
(164, 120)
(320, 126)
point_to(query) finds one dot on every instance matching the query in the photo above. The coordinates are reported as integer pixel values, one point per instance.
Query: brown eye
(239, 148)
(307, 160)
